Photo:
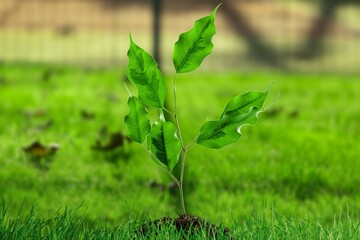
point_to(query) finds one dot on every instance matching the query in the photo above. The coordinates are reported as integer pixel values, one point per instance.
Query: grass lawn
(301, 160)
(68, 225)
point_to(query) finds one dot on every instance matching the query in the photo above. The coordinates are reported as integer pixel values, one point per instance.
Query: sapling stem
(181, 189)
(183, 150)
(175, 111)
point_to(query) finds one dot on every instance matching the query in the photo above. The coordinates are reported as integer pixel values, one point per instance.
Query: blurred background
(63, 100)
(306, 36)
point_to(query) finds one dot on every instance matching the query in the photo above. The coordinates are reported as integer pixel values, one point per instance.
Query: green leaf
(144, 73)
(220, 133)
(164, 145)
(193, 46)
(136, 121)
(243, 103)
(241, 110)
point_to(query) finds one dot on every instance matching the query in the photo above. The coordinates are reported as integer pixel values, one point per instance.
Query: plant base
(188, 224)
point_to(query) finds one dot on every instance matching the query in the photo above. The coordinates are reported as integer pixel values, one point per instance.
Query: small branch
(191, 144)
(188, 147)
(168, 111)
(179, 131)
(175, 115)
(177, 182)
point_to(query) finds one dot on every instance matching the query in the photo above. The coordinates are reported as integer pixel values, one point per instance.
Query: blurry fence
(294, 35)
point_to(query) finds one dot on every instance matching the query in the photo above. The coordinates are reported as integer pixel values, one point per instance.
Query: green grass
(301, 160)
(67, 224)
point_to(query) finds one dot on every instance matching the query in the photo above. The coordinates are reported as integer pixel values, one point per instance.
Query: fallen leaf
(39, 150)
(116, 140)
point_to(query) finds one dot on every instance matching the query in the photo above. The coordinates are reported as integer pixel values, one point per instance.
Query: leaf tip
(272, 102)
(215, 10)
(270, 86)
(131, 39)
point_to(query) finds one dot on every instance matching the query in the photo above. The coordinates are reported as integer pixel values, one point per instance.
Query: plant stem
(191, 144)
(183, 151)
(176, 181)
(183, 158)
(175, 113)
(168, 111)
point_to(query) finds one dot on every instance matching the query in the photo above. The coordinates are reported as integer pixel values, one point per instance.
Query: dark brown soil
(187, 224)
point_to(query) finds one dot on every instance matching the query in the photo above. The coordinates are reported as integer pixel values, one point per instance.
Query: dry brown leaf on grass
(37, 149)
(117, 139)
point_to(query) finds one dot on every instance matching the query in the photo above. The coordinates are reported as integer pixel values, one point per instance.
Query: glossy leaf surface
(136, 121)
(164, 145)
(241, 110)
(243, 103)
(144, 73)
(193, 46)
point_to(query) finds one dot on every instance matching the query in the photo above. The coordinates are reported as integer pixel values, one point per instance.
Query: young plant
(163, 139)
